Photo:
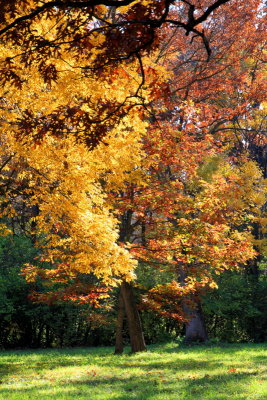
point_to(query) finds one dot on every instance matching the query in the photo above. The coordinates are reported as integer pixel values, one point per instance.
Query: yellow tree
(50, 124)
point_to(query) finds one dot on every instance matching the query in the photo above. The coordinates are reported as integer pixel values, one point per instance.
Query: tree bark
(134, 323)
(119, 326)
(127, 296)
(195, 330)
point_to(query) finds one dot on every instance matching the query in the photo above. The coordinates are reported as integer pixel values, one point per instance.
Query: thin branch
(64, 4)
(209, 10)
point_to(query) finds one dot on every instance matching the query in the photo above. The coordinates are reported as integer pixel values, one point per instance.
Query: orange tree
(205, 100)
(191, 218)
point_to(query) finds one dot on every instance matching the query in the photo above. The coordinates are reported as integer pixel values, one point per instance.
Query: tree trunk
(128, 300)
(119, 326)
(195, 330)
(133, 319)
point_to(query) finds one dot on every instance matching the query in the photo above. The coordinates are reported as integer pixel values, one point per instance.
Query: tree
(193, 219)
(221, 92)
(81, 83)
(74, 219)
(51, 42)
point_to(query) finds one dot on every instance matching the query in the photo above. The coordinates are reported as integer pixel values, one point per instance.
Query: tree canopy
(127, 130)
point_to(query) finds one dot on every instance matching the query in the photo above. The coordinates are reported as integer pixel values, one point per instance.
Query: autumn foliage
(126, 129)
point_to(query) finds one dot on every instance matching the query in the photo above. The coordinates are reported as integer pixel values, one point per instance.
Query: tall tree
(86, 75)
(193, 219)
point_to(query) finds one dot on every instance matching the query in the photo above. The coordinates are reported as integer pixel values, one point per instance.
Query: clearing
(165, 372)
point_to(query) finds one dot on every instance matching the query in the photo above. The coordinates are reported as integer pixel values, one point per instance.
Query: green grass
(165, 372)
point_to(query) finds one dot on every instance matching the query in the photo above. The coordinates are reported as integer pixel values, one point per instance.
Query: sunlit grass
(170, 371)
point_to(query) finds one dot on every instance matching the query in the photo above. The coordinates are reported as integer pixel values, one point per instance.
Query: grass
(164, 372)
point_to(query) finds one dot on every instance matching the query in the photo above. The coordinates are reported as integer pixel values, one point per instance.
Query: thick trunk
(195, 330)
(133, 319)
(119, 326)
(126, 293)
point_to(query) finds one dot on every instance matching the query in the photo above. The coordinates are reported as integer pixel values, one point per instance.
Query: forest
(133, 173)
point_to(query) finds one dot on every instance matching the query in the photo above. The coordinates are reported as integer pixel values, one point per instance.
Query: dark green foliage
(159, 329)
(237, 310)
(27, 324)
(156, 328)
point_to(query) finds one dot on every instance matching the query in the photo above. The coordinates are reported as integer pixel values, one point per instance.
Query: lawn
(169, 371)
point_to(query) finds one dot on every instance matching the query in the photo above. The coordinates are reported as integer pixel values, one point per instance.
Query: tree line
(235, 312)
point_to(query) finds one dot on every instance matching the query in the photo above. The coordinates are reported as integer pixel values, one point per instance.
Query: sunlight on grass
(171, 372)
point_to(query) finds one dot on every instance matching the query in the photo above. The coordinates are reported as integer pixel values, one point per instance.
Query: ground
(165, 372)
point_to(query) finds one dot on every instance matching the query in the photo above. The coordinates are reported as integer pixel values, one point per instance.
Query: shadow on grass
(116, 361)
(159, 379)
(124, 388)
(154, 377)
(51, 359)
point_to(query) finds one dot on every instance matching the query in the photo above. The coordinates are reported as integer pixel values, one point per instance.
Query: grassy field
(164, 372)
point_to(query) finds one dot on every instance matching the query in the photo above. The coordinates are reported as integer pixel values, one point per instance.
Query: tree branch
(64, 4)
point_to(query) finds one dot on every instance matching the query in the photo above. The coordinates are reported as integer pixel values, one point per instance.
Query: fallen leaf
(231, 370)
